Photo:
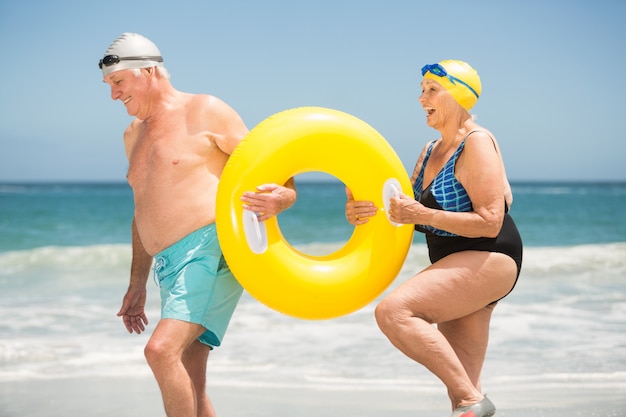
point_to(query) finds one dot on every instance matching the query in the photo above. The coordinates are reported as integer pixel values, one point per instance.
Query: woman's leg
(455, 287)
(468, 337)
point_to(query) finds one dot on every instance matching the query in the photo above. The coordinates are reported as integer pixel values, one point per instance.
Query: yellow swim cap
(459, 78)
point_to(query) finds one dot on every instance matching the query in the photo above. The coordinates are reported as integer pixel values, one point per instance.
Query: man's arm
(134, 302)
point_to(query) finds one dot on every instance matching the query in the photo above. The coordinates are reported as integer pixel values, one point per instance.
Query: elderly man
(177, 147)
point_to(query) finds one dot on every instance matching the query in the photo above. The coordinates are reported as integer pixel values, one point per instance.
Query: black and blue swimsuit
(447, 193)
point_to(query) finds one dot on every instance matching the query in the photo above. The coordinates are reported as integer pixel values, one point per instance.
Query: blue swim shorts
(197, 285)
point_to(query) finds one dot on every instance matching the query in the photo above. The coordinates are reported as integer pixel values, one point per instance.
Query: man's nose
(115, 93)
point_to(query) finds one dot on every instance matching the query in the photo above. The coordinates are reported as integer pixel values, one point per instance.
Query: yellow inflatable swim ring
(313, 139)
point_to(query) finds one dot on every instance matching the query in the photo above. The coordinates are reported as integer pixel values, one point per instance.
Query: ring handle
(391, 188)
(255, 232)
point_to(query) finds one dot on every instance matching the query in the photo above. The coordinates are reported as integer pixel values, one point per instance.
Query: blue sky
(552, 72)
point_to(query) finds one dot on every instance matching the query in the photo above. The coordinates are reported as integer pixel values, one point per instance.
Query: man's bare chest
(166, 153)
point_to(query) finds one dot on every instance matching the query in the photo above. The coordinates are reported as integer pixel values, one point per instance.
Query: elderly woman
(461, 202)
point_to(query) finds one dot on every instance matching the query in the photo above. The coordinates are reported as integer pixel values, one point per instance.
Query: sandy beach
(139, 396)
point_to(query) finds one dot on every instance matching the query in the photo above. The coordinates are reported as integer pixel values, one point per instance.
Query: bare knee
(389, 316)
(393, 314)
(156, 353)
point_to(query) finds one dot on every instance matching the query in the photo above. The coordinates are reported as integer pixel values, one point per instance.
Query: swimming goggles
(109, 60)
(440, 71)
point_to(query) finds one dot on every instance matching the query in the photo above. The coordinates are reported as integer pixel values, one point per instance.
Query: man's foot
(484, 408)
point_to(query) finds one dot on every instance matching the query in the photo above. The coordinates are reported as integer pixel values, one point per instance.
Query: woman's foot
(484, 408)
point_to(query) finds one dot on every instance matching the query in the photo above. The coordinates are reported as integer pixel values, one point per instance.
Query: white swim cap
(130, 50)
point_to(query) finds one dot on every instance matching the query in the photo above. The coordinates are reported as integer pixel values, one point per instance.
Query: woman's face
(437, 102)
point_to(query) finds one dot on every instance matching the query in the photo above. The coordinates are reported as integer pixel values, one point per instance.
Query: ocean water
(65, 256)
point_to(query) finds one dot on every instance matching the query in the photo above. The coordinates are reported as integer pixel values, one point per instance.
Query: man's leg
(164, 353)
(195, 361)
